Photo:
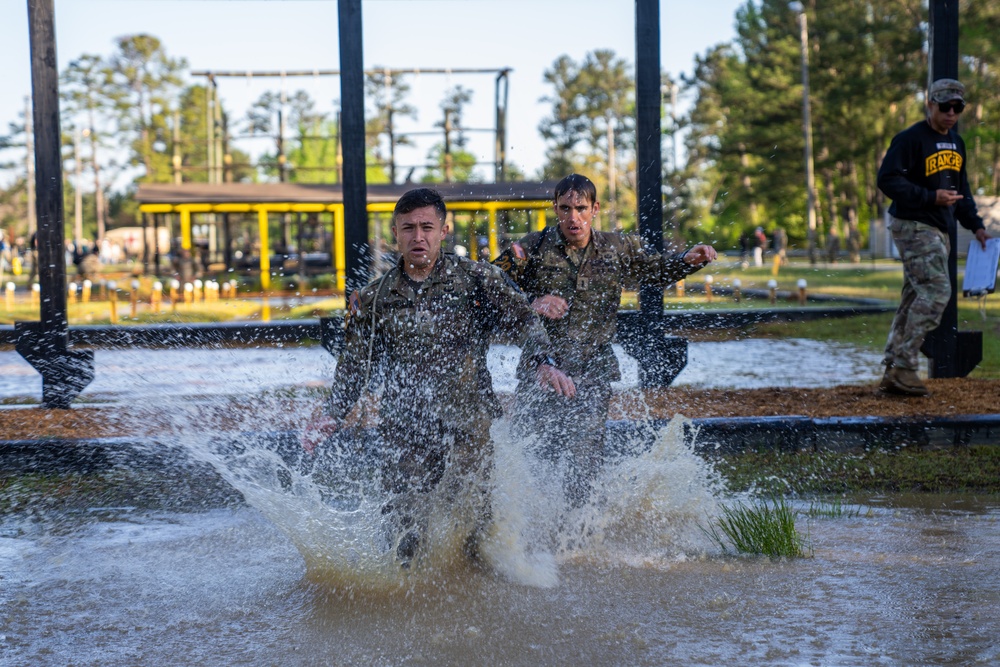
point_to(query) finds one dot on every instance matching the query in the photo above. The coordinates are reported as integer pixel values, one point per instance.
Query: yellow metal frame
(337, 209)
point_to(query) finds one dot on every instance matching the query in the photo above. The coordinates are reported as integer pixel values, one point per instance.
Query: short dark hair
(419, 198)
(576, 183)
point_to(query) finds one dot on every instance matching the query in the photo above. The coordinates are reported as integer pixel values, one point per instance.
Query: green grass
(760, 527)
(973, 469)
(834, 509)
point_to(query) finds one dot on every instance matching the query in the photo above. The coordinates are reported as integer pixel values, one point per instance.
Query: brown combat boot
(902, 381)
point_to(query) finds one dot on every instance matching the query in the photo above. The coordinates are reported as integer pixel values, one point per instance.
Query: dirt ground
(948, 397)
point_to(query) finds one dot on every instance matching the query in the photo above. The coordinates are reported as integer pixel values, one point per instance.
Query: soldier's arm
(353, 363)
(893, 175)
(647, 266)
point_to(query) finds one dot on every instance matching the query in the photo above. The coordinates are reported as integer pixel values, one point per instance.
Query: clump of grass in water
(758, 527)
(835, 509)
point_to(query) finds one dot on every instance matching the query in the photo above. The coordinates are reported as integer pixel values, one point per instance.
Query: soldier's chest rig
(438, 316)
(590, 281)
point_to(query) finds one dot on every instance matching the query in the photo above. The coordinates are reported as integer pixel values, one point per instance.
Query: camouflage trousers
(926, 289)
(454, 464)
(567, 429)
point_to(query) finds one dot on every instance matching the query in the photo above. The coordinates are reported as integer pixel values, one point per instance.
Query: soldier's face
(419, 234)
(575, 213)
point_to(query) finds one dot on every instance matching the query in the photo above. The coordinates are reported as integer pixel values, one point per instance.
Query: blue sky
(525, 35)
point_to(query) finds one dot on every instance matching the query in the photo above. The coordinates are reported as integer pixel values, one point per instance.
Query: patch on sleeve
(518, 251)
(353, 306)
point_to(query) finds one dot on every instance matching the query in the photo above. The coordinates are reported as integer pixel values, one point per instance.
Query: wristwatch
(546, 360)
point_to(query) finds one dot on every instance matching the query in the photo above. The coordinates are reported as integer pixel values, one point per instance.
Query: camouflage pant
(571, 429)
(418, 460)
(926, 289)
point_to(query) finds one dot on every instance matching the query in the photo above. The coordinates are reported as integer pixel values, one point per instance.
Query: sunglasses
(957, 107)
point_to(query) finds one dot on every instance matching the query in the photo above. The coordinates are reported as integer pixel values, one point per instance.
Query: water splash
(645, 509)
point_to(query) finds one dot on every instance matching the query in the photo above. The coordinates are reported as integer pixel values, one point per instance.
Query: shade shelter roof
(155, 197)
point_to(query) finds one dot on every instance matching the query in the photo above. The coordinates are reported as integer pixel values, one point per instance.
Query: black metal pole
(44, 344)
(352, 118)
(48, 164)
(649, 161)
(941, 344)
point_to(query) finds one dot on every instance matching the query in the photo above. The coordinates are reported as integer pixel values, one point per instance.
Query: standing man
(423, 330)
(574, 278)
(924, 174)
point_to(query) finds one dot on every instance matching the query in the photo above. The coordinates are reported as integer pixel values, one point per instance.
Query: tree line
(733, 155)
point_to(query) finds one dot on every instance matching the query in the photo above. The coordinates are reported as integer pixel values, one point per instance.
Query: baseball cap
(946, 90)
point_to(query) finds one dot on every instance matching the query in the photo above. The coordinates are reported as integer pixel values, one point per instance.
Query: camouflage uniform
(591, 281)
(920, 161)
(926, 289)
(426, 343)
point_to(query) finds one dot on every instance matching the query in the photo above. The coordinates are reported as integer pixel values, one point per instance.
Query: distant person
(89, 265)
(423, 330)
(779, 241)
(33, 258)
(925, 176)
(574, 277)
(759, 246)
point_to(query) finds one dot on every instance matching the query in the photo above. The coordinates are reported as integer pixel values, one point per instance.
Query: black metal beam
(352, 131)
(44, 344)
(649, 161)
(951, 353)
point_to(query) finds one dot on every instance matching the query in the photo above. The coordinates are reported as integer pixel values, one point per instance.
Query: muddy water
(913, 583)
(130, 374)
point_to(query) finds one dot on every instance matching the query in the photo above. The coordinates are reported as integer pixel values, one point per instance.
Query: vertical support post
(45, 344)
(941, 345)
(500, 149)
(156, 244)
(539, 220)
(492, 233)
(145, 242)
(339, 249)
(185, 229)
(649, 160)
(353, 139)
(265, 249)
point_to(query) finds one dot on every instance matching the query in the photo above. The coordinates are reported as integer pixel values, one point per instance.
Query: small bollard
(188, 293)
(225, 290)
(233, 288)
(679, 286)
(174, 286)
(708, 287)
(9, 300)
(112, 288)
(87, 286)
(156, 297)
(71, 294)
(737, 284)
(199, 294)
(134, 299)
(802, 291)
(772, 285)
(265, 310)
(36, 295)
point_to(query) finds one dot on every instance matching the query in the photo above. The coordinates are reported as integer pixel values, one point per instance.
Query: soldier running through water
(423, 330)
(574, 278)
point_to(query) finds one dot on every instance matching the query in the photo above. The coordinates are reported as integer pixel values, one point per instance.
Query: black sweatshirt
(919, 161)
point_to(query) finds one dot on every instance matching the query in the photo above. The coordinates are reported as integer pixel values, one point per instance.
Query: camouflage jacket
(427, 342)
(592, 284)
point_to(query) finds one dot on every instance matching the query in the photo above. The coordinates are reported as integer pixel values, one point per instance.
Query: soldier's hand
(550, 306)
(318, 430)
(700, 255)
(982, 237)
(946, 197)
(559, 382)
